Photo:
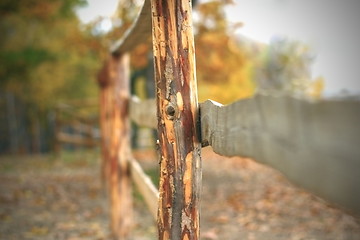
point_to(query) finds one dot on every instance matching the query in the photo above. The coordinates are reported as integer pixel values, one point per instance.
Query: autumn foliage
(47, 55)
(223, 66)
(44, 58)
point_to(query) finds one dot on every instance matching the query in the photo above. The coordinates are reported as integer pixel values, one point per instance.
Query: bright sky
(330, 27)
(96, 8)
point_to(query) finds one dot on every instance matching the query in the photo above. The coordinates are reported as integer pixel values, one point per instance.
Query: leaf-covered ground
(43, 197)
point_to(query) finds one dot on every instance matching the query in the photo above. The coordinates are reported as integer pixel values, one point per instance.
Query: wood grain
(314, 144)
(177, 112)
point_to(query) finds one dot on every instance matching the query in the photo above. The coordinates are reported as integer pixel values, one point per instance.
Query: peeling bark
(177, 109)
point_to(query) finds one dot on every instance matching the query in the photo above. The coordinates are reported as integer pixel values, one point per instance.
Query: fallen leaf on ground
(211, 234)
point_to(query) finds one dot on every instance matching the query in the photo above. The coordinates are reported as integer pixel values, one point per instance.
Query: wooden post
(12, 123)
(120, 182)
(57, 128)
(104, 82)
(116, 129)
(177, 109)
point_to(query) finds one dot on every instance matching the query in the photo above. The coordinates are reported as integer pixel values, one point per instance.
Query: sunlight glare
(106, 25)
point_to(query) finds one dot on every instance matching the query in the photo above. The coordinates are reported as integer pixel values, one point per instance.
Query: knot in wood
(170, 111)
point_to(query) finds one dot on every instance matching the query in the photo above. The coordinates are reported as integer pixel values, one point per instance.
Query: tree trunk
(177, 109)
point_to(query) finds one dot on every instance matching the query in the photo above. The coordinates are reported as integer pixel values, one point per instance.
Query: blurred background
(50, 54)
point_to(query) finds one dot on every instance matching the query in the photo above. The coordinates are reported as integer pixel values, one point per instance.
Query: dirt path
(48, 199)
(42, 198)
(251, 201)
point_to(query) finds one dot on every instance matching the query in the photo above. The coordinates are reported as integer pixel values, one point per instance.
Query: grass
(12, 163)
(154, 175)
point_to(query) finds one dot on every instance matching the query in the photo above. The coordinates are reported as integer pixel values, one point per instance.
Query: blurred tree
(286, 67)
(43, 54)
(223, 66)
(44, 57)
(316, 88)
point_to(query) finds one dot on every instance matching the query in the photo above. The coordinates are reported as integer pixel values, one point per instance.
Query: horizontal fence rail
(143, 112)
(74, 127)
(145, 187)
(76, 139)
(314, 144)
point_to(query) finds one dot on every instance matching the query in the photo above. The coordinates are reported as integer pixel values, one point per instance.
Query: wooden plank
(80, 127)
(139, 32)
(68, 113)
(145, 187)
(143, 112)
(76, 139)
(314, 144)
(177, 111)
(78, 103)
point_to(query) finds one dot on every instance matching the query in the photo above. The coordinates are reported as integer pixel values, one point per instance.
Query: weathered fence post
(177, 109)
(116, 130)
(57, 128)
(104, 85)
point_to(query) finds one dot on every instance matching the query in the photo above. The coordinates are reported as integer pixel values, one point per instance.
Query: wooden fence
(314, 144)
(76, 124)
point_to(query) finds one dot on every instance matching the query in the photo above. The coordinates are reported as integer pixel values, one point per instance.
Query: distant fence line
(76, 129)
(20, 134)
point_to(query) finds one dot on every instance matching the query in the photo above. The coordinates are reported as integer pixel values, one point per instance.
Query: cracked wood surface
(314, 144)
(177, 112)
